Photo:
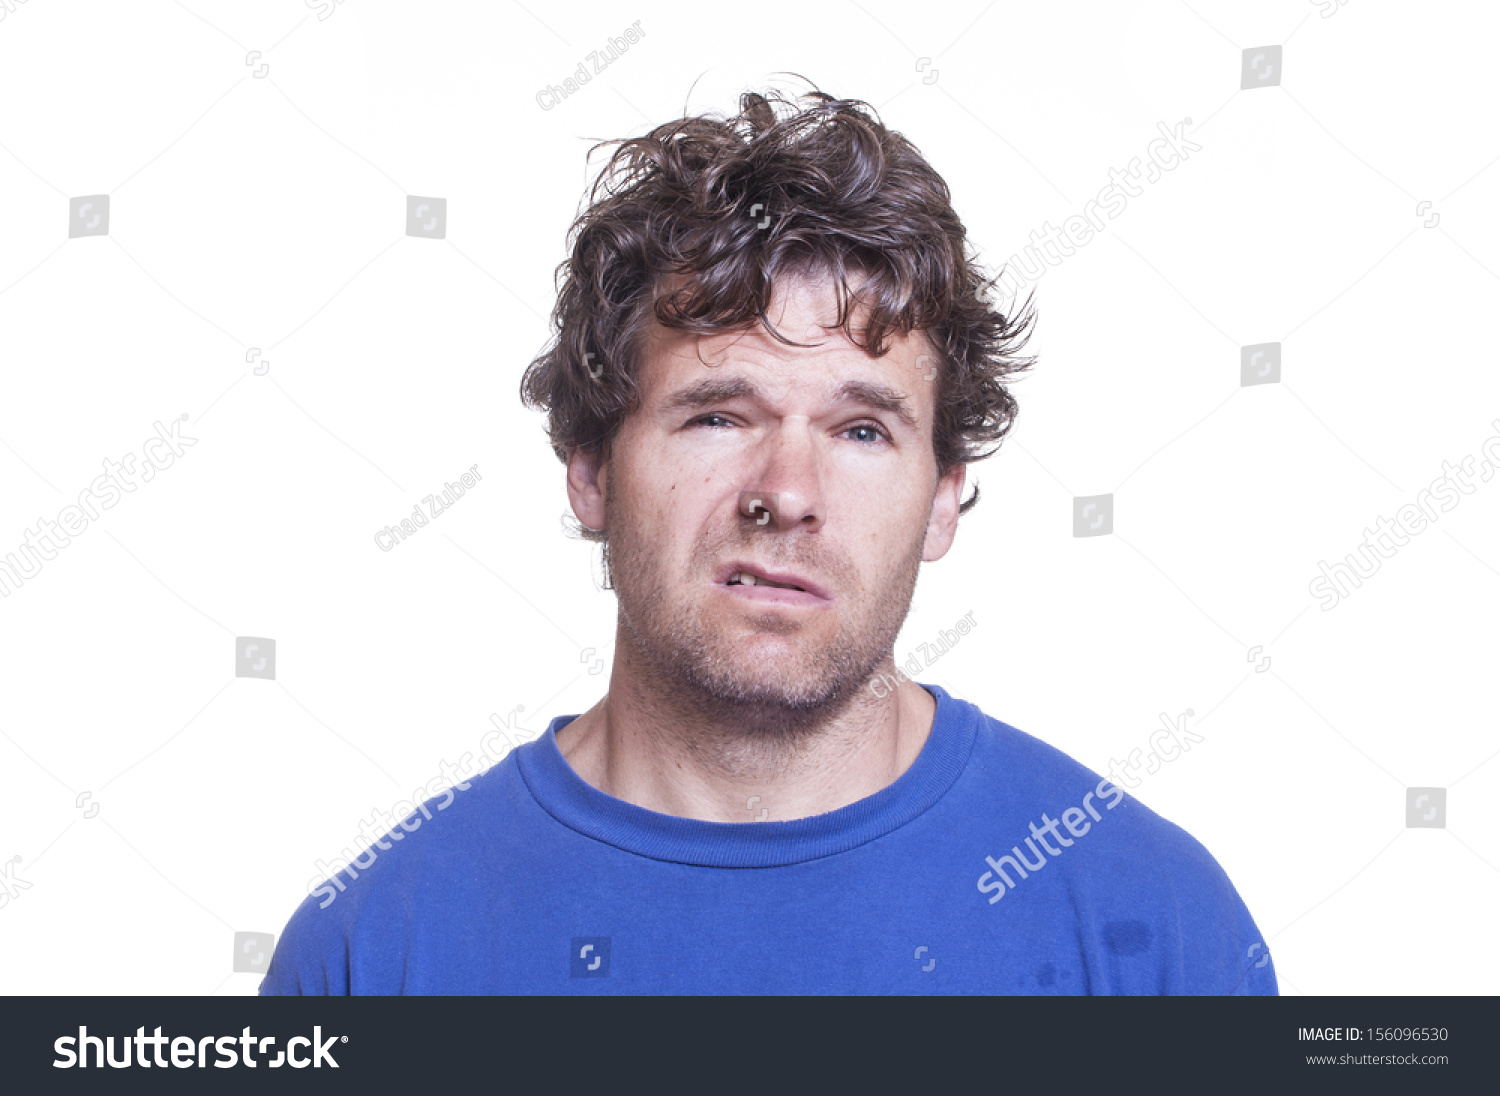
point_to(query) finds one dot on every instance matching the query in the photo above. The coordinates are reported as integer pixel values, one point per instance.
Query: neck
(683, 753)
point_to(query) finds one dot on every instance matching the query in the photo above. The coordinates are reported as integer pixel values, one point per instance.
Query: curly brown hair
(694, 223)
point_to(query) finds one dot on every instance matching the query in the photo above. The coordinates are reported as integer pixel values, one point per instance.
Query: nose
(786, 488)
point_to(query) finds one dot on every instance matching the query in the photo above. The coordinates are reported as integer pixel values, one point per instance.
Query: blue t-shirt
(995, 864)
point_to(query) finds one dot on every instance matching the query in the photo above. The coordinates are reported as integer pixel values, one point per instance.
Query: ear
(586, 485)
(942, 523)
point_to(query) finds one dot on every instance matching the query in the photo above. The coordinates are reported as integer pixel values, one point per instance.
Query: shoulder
(371, 890)
(1146, 882)
(1038, 778)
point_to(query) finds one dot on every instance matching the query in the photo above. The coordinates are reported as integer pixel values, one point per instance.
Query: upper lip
(729, 570)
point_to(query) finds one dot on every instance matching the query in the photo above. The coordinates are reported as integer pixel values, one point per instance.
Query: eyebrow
(712, 390)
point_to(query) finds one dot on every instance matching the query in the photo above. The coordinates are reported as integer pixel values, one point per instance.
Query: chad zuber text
(948, 638)
(436, 506)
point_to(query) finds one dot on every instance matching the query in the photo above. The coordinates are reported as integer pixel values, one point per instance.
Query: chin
(761, 680)
(778, 694)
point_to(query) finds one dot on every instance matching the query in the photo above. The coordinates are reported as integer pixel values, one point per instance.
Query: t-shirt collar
(570, 799)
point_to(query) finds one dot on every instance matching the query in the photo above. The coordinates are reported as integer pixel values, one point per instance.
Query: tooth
(747, 579)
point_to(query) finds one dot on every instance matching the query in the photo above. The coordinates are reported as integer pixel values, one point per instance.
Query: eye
(703, 419)
(869, 428)
(873, 431)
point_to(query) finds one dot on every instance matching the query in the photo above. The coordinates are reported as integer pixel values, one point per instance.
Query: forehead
(803, 310)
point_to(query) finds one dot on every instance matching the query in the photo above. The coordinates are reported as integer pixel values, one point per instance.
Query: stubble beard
(755, 705)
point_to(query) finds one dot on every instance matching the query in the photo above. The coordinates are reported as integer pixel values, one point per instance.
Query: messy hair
(693, 224)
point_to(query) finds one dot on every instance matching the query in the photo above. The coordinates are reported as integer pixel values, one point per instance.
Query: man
(774, 359)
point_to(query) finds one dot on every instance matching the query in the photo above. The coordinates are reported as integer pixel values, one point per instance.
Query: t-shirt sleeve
(311, 958)
(1259, 972)
(1224, 952)
(1258, 979)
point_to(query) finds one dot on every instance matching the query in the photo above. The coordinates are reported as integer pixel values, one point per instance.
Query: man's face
(834, 445)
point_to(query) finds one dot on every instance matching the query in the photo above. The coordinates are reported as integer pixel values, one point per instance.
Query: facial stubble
(705, 653)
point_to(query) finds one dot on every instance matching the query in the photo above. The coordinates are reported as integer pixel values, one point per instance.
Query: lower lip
(776, 595)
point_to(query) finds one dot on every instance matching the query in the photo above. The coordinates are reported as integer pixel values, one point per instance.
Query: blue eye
(870, 426)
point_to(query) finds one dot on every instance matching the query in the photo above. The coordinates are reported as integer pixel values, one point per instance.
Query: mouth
(747, 580)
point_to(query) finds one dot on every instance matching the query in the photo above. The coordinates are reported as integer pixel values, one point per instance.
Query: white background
(269, 212)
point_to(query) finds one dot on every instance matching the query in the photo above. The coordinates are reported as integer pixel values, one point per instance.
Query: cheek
(677, 514)
(885, 535)
(883, 512)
